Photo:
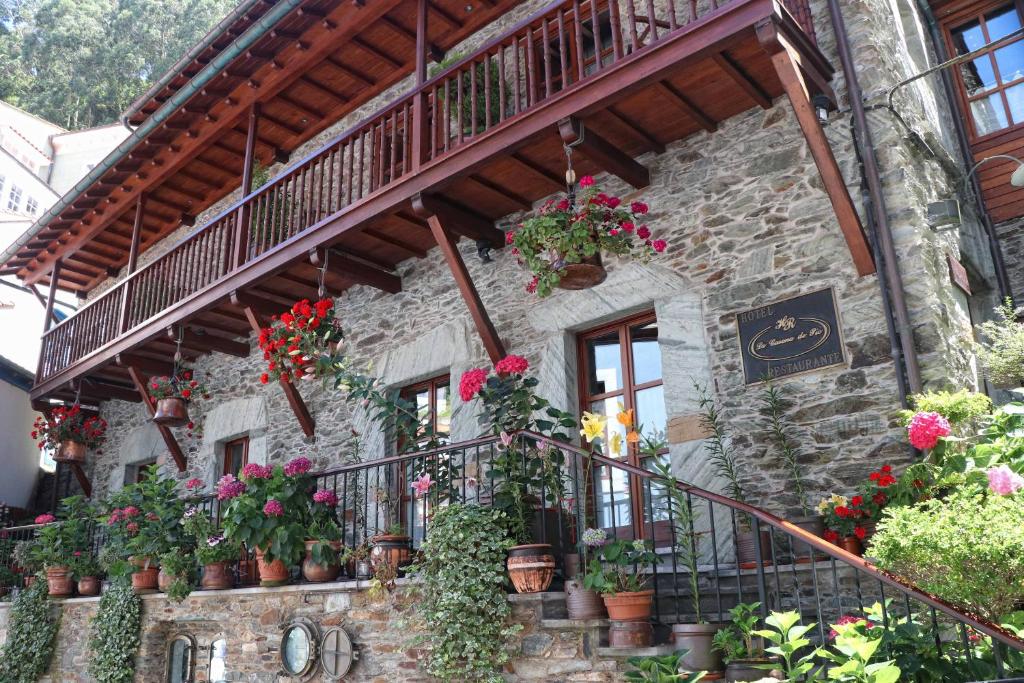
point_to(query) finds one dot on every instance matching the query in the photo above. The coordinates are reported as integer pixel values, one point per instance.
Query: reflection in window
(179, 659)
(431, 400)
(218, 661)
(236, 456)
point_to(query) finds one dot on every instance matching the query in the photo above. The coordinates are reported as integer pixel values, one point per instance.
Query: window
(432, 401)
(14, 199)
(3, 181)
(180, 659)
(991, 84)
(218, 661)
(620, 367)
(139, 471)
(236, 456)
(31, 206)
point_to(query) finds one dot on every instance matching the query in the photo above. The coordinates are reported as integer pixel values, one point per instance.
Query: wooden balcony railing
(558, 49)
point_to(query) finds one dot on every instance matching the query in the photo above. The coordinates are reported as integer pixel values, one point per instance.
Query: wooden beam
(207, 342)
(745, 82)
(603, 153)
(108, 391)
(459, 220)
(291, 392)
(785, 62)
(150, 365)
(636, 129)
(538, 170)
(83, 480)
(172, 444)
(247, 300)
(357, 271)
(449, 247)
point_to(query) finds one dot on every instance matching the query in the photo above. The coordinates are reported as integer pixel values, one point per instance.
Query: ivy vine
(31, 634)
(462, 598)
(115, 634)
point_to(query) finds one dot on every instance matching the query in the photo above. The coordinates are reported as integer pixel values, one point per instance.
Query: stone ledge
(626, 652)
(574, 623)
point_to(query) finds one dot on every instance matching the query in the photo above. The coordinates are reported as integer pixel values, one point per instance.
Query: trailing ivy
(463, 602)
(115, 634)
(31, 633)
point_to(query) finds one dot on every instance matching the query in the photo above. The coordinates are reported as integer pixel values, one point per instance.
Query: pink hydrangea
(1003, 480)
(326, 497)
(254, 471)
(512, 365)
(129, 512)
(115, 517)
(45, 519)
(132, 528)
(194, 483)
(471, 383)
(228, 487)
(297, 466)
(273, 508)
(925, 430)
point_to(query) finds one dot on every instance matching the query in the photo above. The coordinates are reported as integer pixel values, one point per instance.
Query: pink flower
(471, 383)
(512, 365)
(130, 511)
(638, 208)
(659, 245)
(1001, 480)
(78, 553)
(925, 430)
(297, 466)
(254, 471)
(587, 181)
(132, 528)
(326, 497)
(273, 508)
(422, 485)
(506, 439)
(45, 519)
(643, 232)
(193, 484)
(613, 232)
(115, 517)
(628, 226)
(228, 487)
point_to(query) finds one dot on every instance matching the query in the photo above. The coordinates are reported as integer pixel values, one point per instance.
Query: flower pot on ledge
(318, 573)
(71, 451)
(391, 549)
(59, 582)
(171, 412)
(89, 586)
(271, 573)
(852, 545)
(531, 567)
(633, 606)
(146, 578)
(217, 576)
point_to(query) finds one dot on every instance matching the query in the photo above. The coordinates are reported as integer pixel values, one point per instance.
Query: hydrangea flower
(45, 519)
(1003, 481)
(594, 538)
(926, 428)
(273, 508)
(326, 497)
(194, 483)
(471, 383)
(297, 466)
(228, 487)
(254, 471)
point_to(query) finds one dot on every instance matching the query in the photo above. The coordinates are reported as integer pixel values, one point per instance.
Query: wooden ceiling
(318, 64)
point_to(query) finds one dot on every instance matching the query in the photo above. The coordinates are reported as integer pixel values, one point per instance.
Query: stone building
(782, 184)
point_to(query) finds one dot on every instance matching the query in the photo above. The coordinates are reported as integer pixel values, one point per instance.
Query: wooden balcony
(476, 142)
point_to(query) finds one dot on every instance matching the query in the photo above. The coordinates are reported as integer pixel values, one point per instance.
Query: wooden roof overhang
(394, 185)
(322, 61)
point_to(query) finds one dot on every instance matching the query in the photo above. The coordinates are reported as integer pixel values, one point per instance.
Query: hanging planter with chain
(68, 433)
(172, 393)
(562, 244)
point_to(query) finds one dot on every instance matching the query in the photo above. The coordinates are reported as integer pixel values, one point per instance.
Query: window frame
(408, 502)
(190, 673)
(955, 21)
(407, 393)
(244, 440)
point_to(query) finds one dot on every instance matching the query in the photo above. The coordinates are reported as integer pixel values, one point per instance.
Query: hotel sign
(790, 337)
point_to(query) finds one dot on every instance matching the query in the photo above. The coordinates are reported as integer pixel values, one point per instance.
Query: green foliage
(614, 570)
(1001, 351)
(209, 543)
(719, 451)
(279, 537)
(684, 516)
(736, 640)
(965, 548)
(852, 651)
(8, 577)
(960, 407)
(24, 555)
(180, 564)
(664, 669)
(31, 632)
(775, 408)
(114, 637)
(789, 640)
(462, 594)
(58, 542)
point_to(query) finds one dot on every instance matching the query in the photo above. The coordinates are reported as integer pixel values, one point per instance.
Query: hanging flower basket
(172, 395)
(562, 245)
(69, 433)
(302, 342)
(71, 451)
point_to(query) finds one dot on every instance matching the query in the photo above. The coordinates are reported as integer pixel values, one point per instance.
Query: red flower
(186, 393)
(509, 237)
(886, 469)
(830, 536)
(639, 208)
(45, 519)
(879, 498)
(643, 232)
(471, 383)
(859, 532)
(264, 378)
(925, 430)
(857, 501)
(587, 181)
(659, 245)
(512, 365)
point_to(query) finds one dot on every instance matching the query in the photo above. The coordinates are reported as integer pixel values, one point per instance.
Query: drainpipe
(889, 276)
(998, 264)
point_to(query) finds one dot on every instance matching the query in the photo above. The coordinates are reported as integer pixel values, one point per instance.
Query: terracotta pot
(630, 634)
(815, 524)
(745, 670)
(629, 606)
(59, 581)
(171, 412)
(164, 580)
(531, 567)
(392, 549)
(696, 638)
(746, 548)
(583, 603)
(271, 573)
(217, 576)
(317, 573)
(851, 544)
(71, 451)
(588, 273)
(146, 578)
(571, 565)
(89, 585)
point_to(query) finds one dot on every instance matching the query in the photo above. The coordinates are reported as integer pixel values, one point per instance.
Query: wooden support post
(242, 227)
(172, 445)
(51, 296)
(420, 130)
(603, 153)
(791, 71)
(450, 249)
(83, 480)
(133, 261)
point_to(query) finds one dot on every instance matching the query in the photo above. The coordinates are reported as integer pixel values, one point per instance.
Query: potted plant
(357, 561)
(844, 522)
(323, 542)
(562, 244)
(57, 542)
(613, 574)
(68, 433)
(87, 571)
(582, 602)
(742, 652)
(24, 557)
(173, 394)
(267, 510)
(1001, 351)
(175, 577)
(301, 342)
(392, 545)
(213, 552)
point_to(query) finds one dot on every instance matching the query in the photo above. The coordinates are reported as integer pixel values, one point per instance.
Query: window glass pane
(443, 422)
(295, 650)
(968, 37)
(659, 503)
(613, 500)
(1011, 62)
(989, 114)
(650, 412)
(1015, 96)
(604, 356)
(180, 653)
(978, 75)
(610, 407)
(218, 661)
(646, 352)
(1002, 23)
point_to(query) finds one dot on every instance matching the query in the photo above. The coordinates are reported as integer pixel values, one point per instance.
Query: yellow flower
(616, 444)
(593, 426)
(625, 417)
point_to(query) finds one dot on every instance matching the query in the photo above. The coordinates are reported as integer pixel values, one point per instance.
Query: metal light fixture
(1016, 178)
(822, 107)
(483, 250)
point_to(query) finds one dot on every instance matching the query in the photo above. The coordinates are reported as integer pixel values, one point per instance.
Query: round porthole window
(298, 649)
(336, 653)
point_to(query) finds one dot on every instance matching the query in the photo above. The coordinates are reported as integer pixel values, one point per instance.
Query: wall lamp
(1016, 178)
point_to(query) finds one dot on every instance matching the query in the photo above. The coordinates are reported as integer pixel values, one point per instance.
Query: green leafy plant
(663, 669)
(114, 634)
(31, 632)
(736, 640)
(182, 384)
(962, 408)
(25, 556)
(683, 516)
(851, 652)
(788, 638)
(85, 563)
(210, 544)
(323, 528)
(614, 569)
(58, 541)
(462, 594)
(8, 577)
(461, 106)
(180, 564)
(719, 451)
(1001, 351)
(775, 409)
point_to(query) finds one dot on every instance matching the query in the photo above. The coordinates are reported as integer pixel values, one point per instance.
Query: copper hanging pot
(71, 451)
(171, 412)
(583, 275)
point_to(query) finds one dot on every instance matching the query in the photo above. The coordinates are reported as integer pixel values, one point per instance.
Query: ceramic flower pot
(271, 573)
(583, 603)
(217, 576)
(164, 580)
(696, 638)
(745, 670)
(588, 273)
(629, 606)
(630, 634)
(746, 548)
(318, 573)
(531, 567)
(391, 549)
(146, 577)
(89, 585)
(814, 524)
(171, 412)
(852, 545)
(59, 582)
(71, 451)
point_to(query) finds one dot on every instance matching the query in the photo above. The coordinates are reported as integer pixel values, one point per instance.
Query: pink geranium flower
(471, 383)
(1004, 481)
(45, 519)
(512, 365)
(273, 508)
(422, 485)
(194, 483)
(925, 430)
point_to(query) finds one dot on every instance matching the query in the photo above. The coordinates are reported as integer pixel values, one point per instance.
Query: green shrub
(31, 632)
(1002, 349)
(965, 549)
(115, 634)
